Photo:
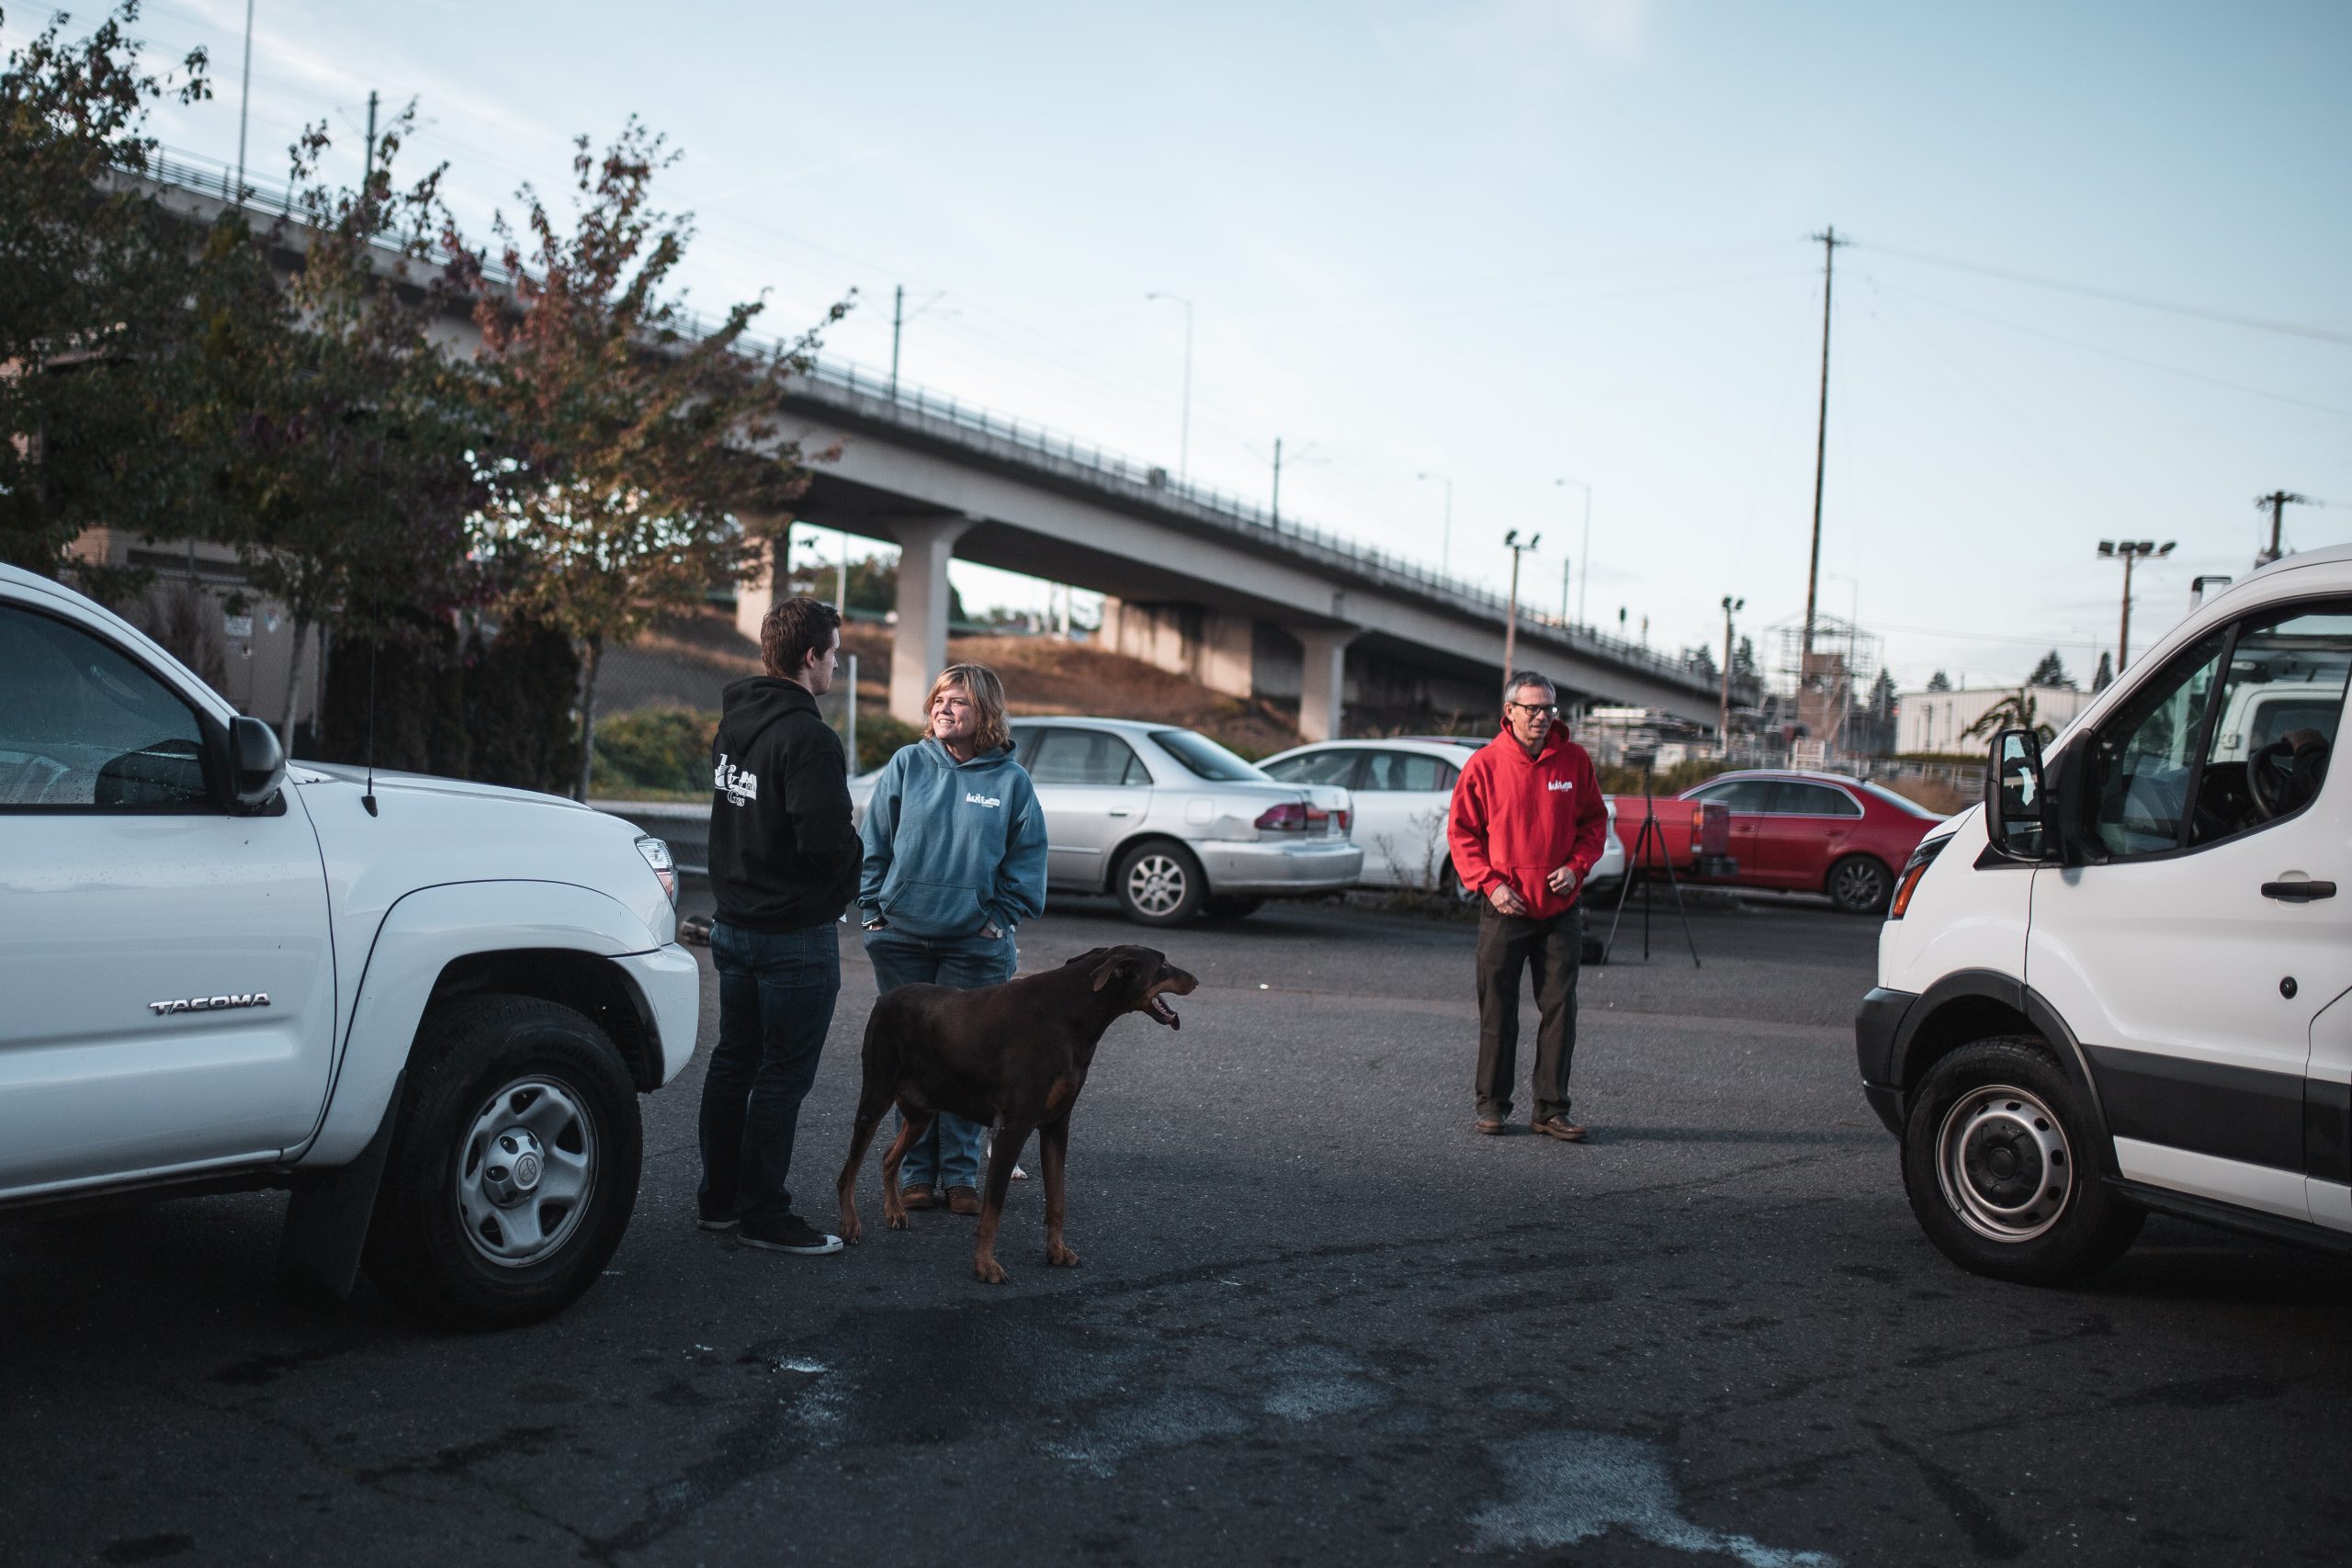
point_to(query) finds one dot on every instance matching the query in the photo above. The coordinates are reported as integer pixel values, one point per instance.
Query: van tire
(2000, 1163)
(1860, 885)
(447, 1212)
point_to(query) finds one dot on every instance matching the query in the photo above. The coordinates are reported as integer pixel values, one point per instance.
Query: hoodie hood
(759, 700)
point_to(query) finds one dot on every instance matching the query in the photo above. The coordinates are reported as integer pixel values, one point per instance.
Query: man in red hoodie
(1528, 826)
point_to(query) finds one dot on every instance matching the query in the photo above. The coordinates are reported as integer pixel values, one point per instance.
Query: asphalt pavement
(1316, 1322)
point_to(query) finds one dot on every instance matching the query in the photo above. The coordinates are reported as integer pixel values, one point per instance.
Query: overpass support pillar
(1323, 679)
(920, 646)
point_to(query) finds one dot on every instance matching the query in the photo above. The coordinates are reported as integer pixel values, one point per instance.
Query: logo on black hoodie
(741, 785)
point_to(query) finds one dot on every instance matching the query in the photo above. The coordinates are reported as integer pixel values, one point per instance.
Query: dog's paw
(852, 1230)
(988, 1271)
(1062, 1256)
(896, 1219)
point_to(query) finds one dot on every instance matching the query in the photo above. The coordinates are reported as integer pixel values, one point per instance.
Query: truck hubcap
(525, 1172)
(2002, 1160)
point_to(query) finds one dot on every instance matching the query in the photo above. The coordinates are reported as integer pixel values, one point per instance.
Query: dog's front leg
(1052, 1155)
(1000, 1159)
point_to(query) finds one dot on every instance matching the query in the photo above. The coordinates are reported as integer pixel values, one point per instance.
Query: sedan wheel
(1160, 885)
(1860, 885)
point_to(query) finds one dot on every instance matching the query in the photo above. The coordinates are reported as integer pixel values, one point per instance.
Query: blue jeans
(776, 992)
(949, 1152)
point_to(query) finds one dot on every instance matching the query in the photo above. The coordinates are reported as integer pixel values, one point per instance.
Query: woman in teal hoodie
(954, 861)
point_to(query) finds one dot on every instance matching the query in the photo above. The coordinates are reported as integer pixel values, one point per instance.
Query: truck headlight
(1913, 870)
(657, 855)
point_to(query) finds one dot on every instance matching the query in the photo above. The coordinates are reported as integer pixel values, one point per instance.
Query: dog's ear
(1089, 956)
(1121, 967)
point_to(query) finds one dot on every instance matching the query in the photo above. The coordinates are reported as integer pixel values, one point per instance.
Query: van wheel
(1999, 1165)
(1859, 884)
(1160, 884)
(513, 1165)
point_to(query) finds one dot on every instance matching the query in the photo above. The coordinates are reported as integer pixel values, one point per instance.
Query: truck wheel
(1160, 884)
(1999, 1163)
(513, 1165)
(1859, 884)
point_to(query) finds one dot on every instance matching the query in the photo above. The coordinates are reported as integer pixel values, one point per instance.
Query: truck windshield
(1204, 757)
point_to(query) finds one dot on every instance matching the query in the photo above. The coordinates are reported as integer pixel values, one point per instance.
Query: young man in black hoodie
(783, 864)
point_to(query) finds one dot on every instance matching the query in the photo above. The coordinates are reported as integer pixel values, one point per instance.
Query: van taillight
(1913, 870)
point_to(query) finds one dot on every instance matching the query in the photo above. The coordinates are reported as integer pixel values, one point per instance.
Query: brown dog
(1011, 1056)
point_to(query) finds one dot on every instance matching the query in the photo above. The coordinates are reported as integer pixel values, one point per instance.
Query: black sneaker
(789, 1233)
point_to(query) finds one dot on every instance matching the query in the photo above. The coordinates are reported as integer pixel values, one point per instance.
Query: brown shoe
(920, 1196)
(1560, 1127)
(1489, 1125)
(963, 1201)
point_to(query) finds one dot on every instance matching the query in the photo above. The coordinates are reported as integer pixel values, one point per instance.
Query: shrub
(660, 748)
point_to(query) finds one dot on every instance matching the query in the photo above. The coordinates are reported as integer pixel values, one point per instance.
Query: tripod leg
(1635, 864)
(1684, 915)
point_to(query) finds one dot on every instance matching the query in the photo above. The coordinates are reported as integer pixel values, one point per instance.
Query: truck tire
(1860, 885)
(513, 1165)
(1999, 1163)
(1160, 884)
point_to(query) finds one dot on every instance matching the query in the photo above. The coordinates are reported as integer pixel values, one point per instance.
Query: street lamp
(1184, 431)
(1723, 721)
(1584, 556)
(1445, 540)
(2129, 552)
(1511, 616)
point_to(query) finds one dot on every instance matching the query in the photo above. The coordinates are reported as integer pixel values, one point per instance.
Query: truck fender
(422, 935)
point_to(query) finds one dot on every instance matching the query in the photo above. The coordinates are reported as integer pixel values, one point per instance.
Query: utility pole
(1584, 554)
(1184, 431)
(1445, 539)
(367, 178)
(1829, 243)
(898, 320)
(1511, 616)
(244, 102)
(1278, 482)
(1564, 567)
(2129, 552)
(1723, 721)
(2277, 501)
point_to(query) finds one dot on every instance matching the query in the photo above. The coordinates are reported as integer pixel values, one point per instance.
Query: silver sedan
(1173, 824)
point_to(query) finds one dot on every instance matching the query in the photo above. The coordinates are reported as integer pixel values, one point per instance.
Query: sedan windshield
(1204, 757)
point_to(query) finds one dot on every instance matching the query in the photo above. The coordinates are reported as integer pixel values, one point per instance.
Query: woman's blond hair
(981, 684)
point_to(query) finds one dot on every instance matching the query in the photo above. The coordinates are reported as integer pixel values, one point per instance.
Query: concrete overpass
(1196, 580)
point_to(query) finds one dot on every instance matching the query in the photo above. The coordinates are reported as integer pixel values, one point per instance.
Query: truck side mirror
(256, 762)
(2016, 803)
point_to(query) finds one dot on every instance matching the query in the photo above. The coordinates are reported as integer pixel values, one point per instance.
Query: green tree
(2106, 676)
(630, 465)
(2018, 710)
(2051, 671)
(94, 280)
(1940, 682)
(335, 433)
(1743, 662)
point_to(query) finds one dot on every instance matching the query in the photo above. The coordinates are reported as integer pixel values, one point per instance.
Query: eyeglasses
(1534, 708)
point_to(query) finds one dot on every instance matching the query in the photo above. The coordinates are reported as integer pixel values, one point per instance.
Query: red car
(1807, 832)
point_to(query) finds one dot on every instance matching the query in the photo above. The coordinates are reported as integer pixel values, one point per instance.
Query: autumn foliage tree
(631, 463)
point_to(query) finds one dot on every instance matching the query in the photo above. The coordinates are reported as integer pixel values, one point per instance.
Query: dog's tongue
(1166, 1014)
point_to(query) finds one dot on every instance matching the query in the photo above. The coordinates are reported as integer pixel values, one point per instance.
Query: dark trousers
(948, 1154)
(1551, 949)
(776, 992)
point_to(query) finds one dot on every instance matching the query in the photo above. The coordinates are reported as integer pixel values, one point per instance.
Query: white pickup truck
(426, 1008)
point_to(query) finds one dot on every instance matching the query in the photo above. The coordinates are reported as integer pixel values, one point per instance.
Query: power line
(2119, 297)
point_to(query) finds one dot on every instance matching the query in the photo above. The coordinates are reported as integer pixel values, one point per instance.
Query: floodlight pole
(1510, 616)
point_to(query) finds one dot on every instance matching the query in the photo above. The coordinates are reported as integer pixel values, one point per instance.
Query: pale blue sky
(1510, 243)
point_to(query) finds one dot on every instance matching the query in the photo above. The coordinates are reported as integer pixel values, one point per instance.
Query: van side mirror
(2017, 807)
(256, 762)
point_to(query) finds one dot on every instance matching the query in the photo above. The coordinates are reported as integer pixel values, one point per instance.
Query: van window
(2142, 758)
(2281, 703)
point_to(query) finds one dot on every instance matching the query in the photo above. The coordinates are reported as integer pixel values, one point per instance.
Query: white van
(2124, 983)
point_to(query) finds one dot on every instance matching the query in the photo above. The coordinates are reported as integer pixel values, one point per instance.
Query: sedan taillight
(1290, 816)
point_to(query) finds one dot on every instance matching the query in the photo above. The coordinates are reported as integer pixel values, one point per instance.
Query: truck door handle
(2298, 892)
